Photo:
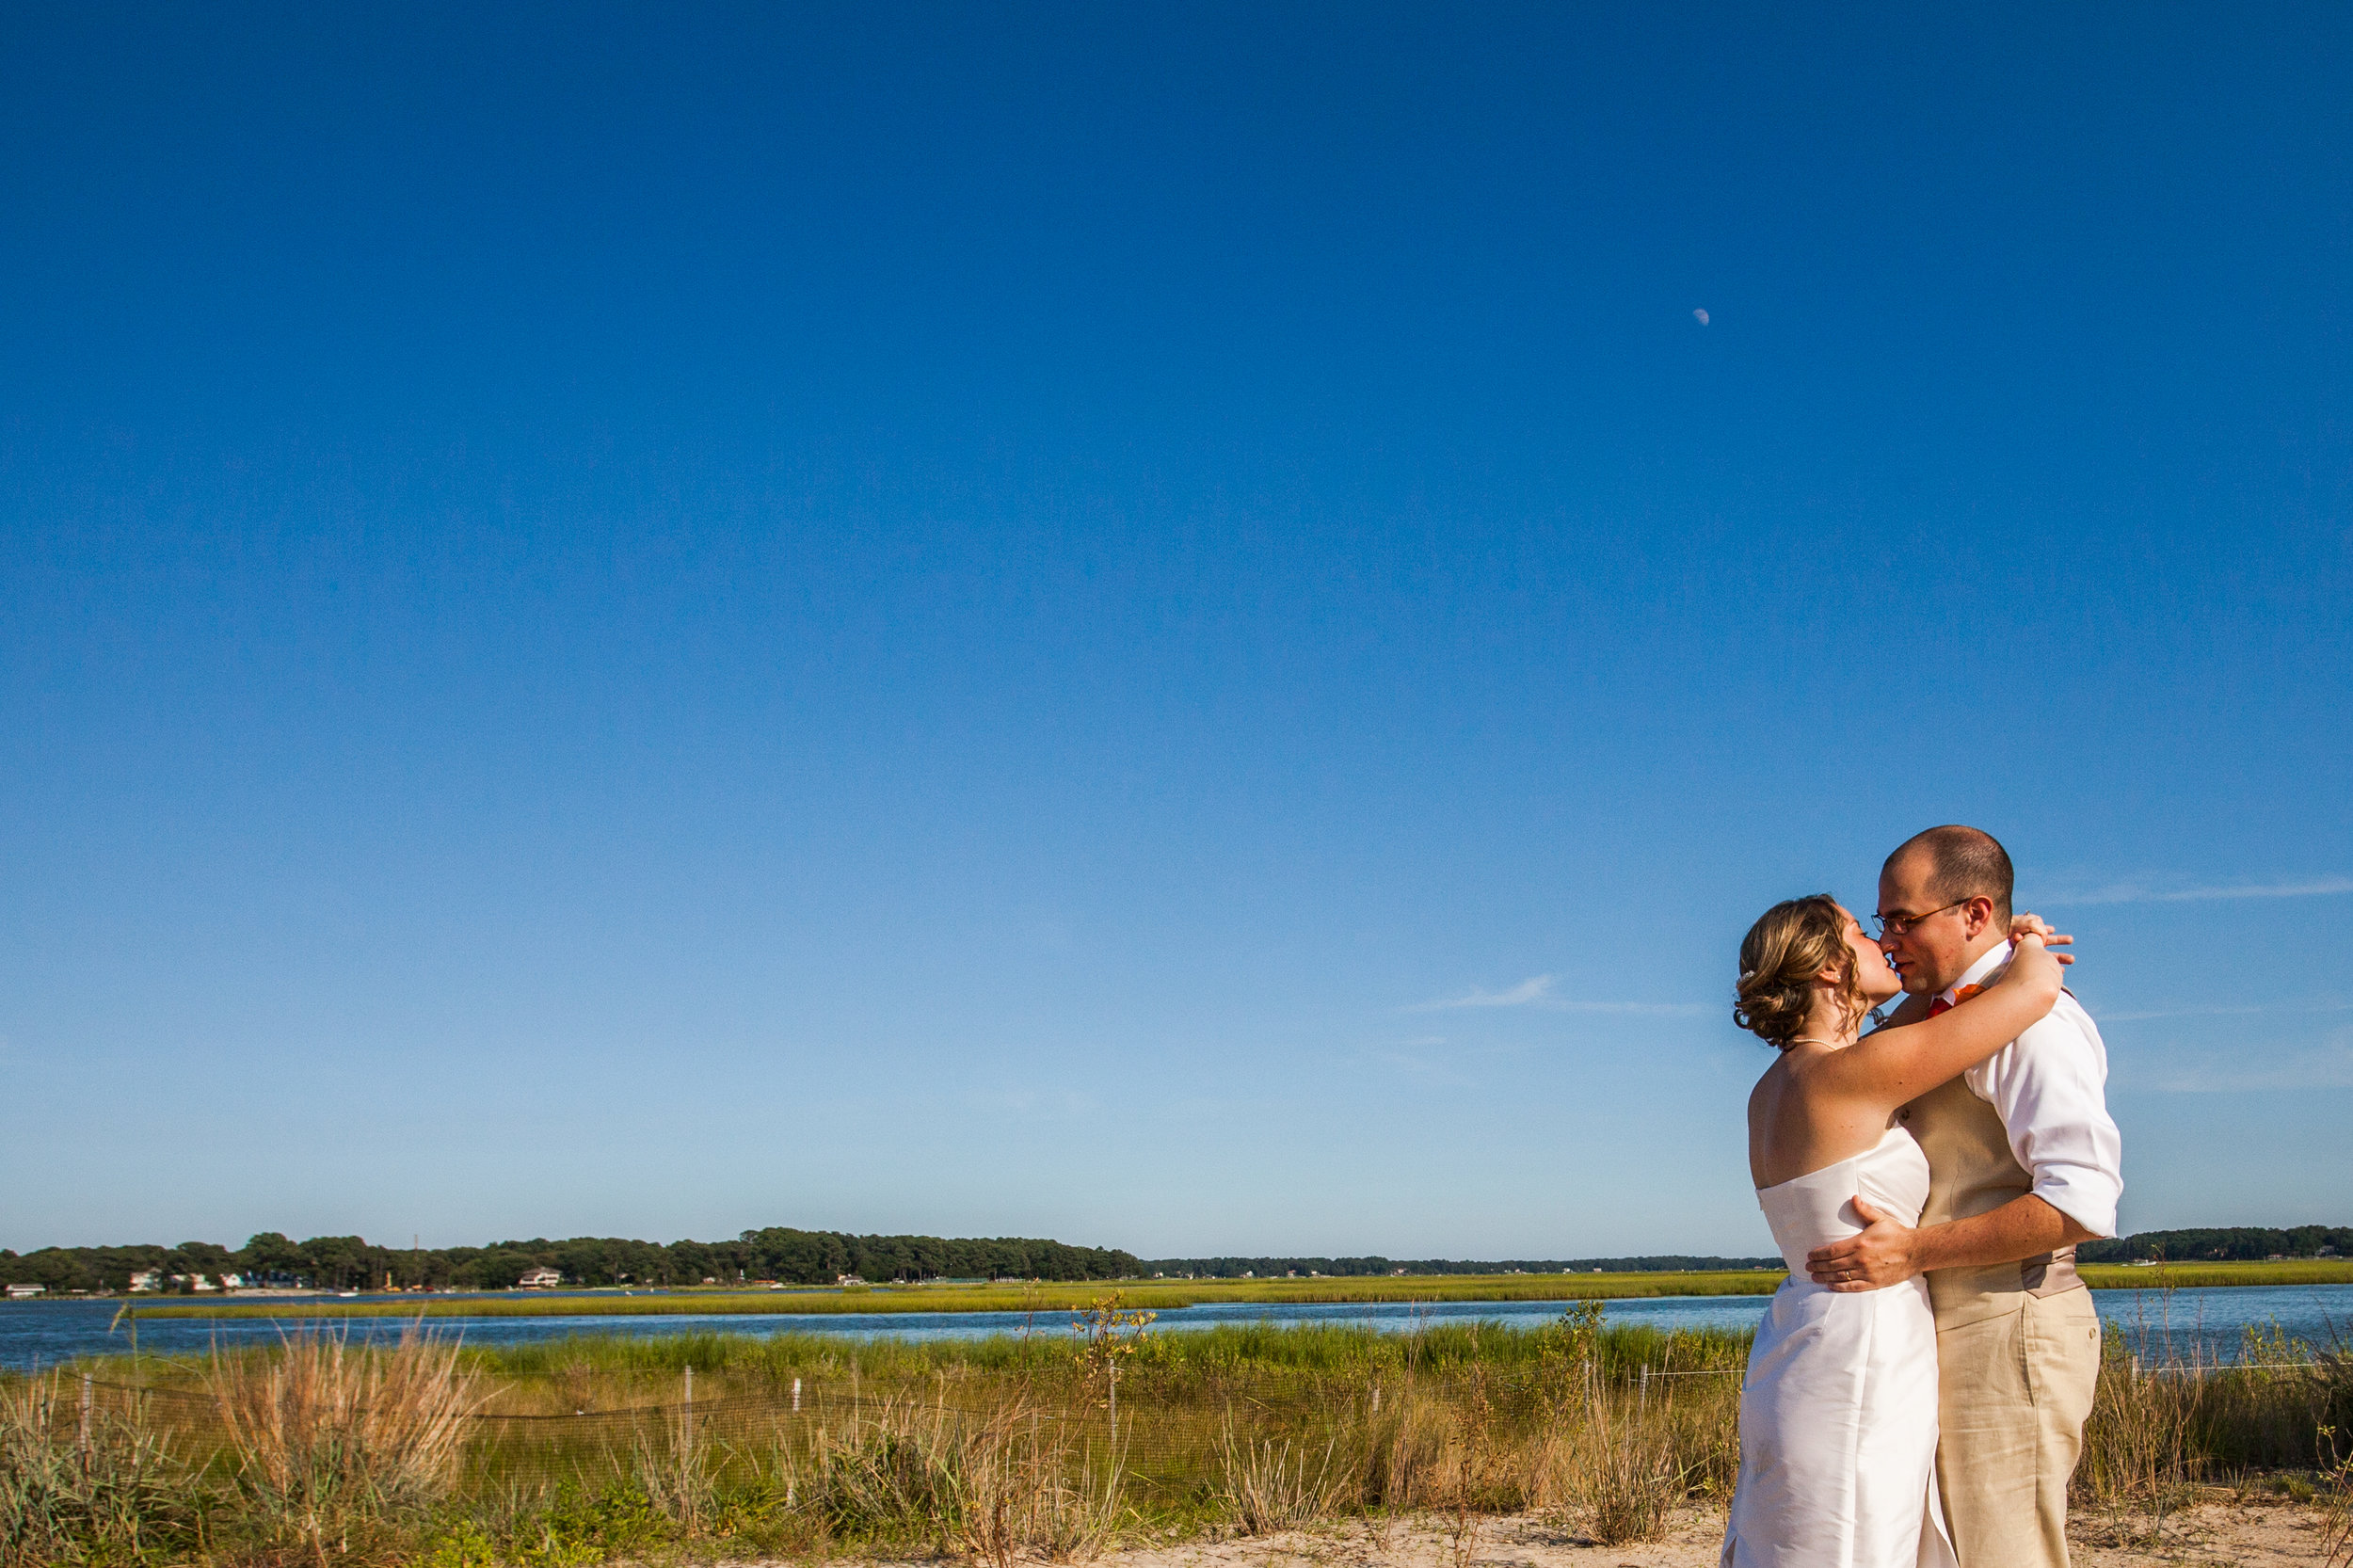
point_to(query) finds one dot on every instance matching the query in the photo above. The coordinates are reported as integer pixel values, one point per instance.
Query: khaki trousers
(2013, 1392)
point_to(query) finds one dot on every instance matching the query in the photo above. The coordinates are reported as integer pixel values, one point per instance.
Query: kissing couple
(1918, 1387)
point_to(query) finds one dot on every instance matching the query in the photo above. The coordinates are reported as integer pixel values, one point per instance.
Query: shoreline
(1158, 1295)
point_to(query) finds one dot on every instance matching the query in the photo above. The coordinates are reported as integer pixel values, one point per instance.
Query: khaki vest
(1972, 1172)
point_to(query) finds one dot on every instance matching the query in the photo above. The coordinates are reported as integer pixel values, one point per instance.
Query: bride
(1838, 1411)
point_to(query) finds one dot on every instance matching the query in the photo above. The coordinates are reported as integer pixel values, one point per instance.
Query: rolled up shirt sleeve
(2050, 1088)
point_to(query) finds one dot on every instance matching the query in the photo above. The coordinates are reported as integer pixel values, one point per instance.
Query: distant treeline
(1276, 1268)
(822, 1257)
(2237, 1242)
(350, 1262)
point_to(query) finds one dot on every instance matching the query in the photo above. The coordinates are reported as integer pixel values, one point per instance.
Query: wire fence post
(1642, 1398)
(796, 1396)
(85, 1421)
(690, 1406)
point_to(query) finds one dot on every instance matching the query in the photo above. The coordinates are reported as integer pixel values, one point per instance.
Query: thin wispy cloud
(2134, 892)
(1536, 991)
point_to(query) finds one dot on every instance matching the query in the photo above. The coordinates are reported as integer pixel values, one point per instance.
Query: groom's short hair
(1963, 863)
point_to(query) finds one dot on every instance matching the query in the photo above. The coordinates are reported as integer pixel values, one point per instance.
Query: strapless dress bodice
(1817, 1208)
(1838, 1412)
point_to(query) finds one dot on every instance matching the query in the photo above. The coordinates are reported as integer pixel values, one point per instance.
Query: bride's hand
(2022, 926)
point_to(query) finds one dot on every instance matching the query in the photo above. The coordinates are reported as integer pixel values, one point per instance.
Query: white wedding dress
(1838, 1411)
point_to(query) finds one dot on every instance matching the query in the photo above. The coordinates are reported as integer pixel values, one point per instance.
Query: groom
(2023, 1163)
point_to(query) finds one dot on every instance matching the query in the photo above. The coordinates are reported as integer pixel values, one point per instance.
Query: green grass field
(2190, 1276)
(1165, 1295)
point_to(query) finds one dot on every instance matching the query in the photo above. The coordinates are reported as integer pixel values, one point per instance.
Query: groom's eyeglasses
(1900, 926)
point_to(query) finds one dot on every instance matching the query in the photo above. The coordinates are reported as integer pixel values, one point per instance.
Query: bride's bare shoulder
(1781, 1075)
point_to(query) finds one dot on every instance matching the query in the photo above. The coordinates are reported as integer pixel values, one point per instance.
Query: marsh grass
(1280, 1484)
(331, 1440)
(2169, 1417)
(894, 1474)
(995, 1448)
(2335, 1497)
(565, 1453)
(2140, 1462)
(2192, 1276)
(1030, 1488)
(677, 1469)
(102, 1486)
(1630, 1470)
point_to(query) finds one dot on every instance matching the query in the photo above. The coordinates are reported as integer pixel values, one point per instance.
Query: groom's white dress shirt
(2049, 1086)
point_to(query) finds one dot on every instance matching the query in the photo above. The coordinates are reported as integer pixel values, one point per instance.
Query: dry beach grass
(1455, 1444)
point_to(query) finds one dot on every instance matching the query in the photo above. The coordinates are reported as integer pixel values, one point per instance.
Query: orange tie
(1962, 993)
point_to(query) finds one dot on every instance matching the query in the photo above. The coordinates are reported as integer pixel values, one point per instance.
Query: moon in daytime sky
(1700, 317)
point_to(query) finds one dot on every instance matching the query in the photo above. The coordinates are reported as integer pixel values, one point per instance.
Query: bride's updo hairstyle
(1791, 944)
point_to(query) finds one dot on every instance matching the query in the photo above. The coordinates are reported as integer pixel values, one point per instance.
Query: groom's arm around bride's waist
(1888, 1252)
(2048, 1089)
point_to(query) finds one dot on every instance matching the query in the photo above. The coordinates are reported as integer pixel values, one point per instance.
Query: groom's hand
(1881, 1256)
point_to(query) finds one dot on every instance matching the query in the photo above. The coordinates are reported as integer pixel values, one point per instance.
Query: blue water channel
(34, 1335)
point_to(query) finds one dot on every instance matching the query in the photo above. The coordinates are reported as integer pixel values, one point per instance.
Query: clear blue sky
(647, 621)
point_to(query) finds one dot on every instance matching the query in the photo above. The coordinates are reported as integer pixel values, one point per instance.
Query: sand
(2223, 1531)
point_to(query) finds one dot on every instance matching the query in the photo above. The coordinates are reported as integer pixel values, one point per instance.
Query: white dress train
(1838, 1410)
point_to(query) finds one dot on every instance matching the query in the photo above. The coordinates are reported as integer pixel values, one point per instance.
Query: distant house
(18, 1293)
(847, 1280)
(148, 1279)
(541, 1279)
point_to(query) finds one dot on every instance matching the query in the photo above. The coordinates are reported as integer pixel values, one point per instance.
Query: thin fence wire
(1158, 1446)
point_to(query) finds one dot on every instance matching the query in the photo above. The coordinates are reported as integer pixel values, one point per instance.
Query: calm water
(41, 1334)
